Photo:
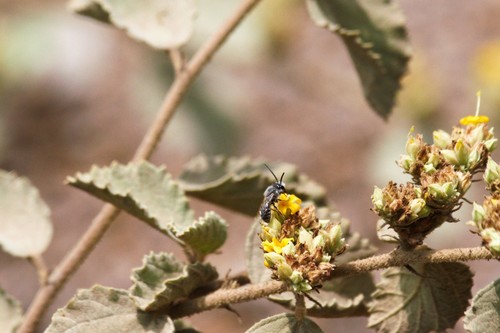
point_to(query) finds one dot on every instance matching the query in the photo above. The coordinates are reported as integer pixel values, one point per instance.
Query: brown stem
(186, 76)
(300, 306)
(402, 258)
(224, 297)
(108, 213)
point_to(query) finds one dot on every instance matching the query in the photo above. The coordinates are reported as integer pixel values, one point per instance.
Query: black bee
(271, 196)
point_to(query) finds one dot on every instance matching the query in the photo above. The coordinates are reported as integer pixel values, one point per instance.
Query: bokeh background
(74, 92)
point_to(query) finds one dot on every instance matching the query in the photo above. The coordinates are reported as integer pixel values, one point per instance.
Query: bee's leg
(275, 209)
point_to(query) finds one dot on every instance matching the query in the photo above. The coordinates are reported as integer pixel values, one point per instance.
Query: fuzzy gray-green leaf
(375, 35)
(163, 280)
(484, 312)
(238, 183)
(206, 235)
(11, 313)
(433, 301)
(285, 323)
(104, 310)
(162, 24)
(89, 8)
(143, 190)
(25, 226)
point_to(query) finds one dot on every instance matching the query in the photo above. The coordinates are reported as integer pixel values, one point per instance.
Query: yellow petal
(474, 120)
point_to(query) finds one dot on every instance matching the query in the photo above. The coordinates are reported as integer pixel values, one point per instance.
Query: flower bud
(450, 190)
(405, 162)
(492, 171)
(476, 136)
(429, 169)
(272, 259)
(284, 271)
(461, 152)
(441, 139)
(418, 208)
(492, 238)
(436, 192)
(474, 158)
(450, 156)
(305, 237)
(478, 213)
(318, 242)
(378, 198)
(288, 249)
(298, 282)
(413, 146)
(491, 144)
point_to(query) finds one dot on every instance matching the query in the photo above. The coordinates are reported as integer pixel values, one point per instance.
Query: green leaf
(182, 327)
(484, 312)
(11, 313)
(339, 297)
(254, 256)
(285, 323)
(376, 38)
(163, 280)
(206, 235)
(239, 183)
(434, 301)
(90, 8)
(162, 24)
(25, 226)
(104, 310)
(143, 190)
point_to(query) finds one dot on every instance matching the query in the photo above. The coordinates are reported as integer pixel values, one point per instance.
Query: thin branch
(109, 213)
(223, 297)
(402, 258)
(68, 265)
(185, 78)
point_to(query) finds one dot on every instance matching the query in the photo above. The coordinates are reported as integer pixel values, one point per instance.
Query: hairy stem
(300, 306)
(224, 297)
(184, 79)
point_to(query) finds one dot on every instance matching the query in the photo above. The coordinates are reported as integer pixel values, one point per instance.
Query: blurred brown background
(74, 92)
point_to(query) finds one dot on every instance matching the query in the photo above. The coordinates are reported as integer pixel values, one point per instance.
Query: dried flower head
(486, 219)
(441, 175)
(298, 247)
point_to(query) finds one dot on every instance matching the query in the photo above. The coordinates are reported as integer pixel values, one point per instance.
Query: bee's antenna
(268, 168)
(281, 178)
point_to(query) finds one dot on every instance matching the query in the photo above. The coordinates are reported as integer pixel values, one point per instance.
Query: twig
(402, 258)
(108, 213)
(223, 297)
(186, 77)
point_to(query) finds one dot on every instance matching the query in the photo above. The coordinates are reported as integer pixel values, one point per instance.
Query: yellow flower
(474, 120)
(275, 245)
(288, 204)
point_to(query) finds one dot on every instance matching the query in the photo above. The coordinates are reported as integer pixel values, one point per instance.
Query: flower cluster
(486, 218)
(441, 175)
(298, 247)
